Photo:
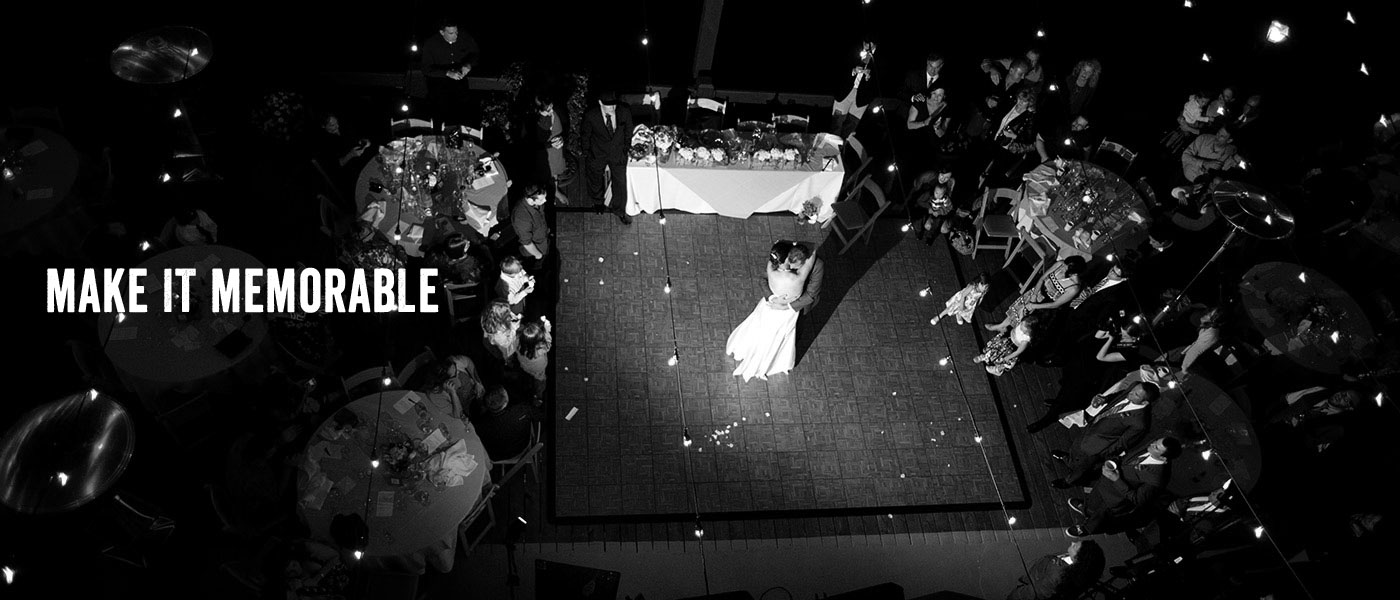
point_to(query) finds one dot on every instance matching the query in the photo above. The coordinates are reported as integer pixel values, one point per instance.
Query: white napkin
(374, 213)
(1074, 419)
(316, 492)
(452, 466)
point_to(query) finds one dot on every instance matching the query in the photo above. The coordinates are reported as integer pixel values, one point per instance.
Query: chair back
(425, 358)
(855, 179)
(705, 113)
(410, 126)
(469, 295)
(1116, 153)
(710, 104)
(473, 528)
(368, 380)
(995, 195)
(791, 123)
(1148, 193)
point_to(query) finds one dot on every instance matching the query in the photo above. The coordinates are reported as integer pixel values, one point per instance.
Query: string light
(977, 439)
(9, 575)
(522, 520)
(1259, 532)
(1380, 398)
(404, 107)
(359, 555)
(1363, 69)
(905, 228)
(1278, 32)
(890, 168)
(1336, 335)
(177, 113)
(699, 529)
(875, 109)
(194, 51)
(1137, 319)
(1226, 485)
(387, 380)
(675, 358)
(121, 317)
(1011, 521)
(1205, 454)
(164, 177)
(1171, 384)
(1040, 33)
(374, 463)
(1110, 257)
(1067, 141)
(1350, 19)
(667, 289)
(686, 439)
(644, 40)
(923, 293)
(1205, 57)
(1243, 166)
(413, 47)
(1187, 4)
(943, 362)
(1054, 88)
(663, 220)
(1303, 277)
(92, 394)
(62, 478)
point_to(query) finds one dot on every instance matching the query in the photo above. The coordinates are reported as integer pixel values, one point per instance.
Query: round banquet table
(88, 438)
(479, 203)
(1297, 317)
(1234, 444)
(418, 531)
(1052, 200)
(156, 351)
(49, 170)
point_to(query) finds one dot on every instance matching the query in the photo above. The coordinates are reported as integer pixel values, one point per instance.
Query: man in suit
(812, 288)
(1118, 423)
(606, 134)
(447, 59)
(918, 84)
(1128, 492)
(1095, 305)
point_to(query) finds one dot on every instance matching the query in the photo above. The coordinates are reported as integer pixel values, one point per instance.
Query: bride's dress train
(766, 342)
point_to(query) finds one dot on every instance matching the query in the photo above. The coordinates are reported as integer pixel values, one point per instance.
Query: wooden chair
(424, 359)
(1002, 227)
(791, 123)
(851, 215)
(473, 529)
(368, 380)
(1117, 153)
(529, 456)
(1044, 251)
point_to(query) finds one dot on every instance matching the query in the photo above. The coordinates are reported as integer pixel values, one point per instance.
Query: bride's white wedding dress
(766, 342)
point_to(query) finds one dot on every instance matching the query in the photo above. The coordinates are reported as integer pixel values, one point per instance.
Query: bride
(766, 342)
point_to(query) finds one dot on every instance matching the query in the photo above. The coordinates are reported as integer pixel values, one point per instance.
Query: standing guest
(447, 59)
(1009, 82)
(1091, 308)
(1057, 287)
(544, 134)
(452, 385)
(514, 284)
(963, 303)
(1003, 350)
(531, 227)
(1019, 140)
(338, 156)
(1081, 84)
(499, 325)
(1032, 71)
(1129, 493)
(1247, 127)
(1112, 426)
(1209, 154)
(191, 227)
(1062, 576)
(926, 127)
(1207, 339)
(504, 428)
(849, 110)
(919, 84)
(606, 134)
(1124, 348)
(536, 340)
(1250, 113)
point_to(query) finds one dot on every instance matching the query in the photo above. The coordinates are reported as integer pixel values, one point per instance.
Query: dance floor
(868, 422)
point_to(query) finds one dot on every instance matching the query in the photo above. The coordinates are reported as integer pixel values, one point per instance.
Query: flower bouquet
(809, 212)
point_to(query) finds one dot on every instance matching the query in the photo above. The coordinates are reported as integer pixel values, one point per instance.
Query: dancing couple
(766, 342)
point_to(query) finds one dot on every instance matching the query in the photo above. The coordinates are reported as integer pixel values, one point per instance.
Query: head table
(733, 174)
(413, 179)
(1081, 207)
(156, 351)
(412, 520)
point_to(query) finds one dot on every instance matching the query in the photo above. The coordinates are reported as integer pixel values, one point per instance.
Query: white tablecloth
(734, 193)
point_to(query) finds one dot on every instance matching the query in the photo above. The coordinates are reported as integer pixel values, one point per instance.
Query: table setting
(1081, 206)
(431, 468)
(411, 180)
(733, 173)
(1305, 316)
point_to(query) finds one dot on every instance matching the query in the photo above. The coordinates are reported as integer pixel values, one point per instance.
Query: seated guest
(454, 260)
(1209, 153)
(191, 227)
(504, 428)
(1129, 493)
(1125, 348)
(530, 225)
(1189, 124)
(514, 284)
(336, 154)
(1078, 140)
(452, 384)
(938, 202)
(1080, 86)
(1090, 310)
(1112, 425)
(1005, 348)
(536, 340)
(1062, 576)
(1057, 287)
(1207, 339)
(499, 325)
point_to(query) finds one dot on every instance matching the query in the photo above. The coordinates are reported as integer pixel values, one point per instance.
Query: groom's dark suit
(811, 289)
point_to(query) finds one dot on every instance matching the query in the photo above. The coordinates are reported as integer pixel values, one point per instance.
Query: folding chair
(528, 456)
(1119, 152)
(853, 177)
(1001, 227)
(409, 127)
(850, 214)
(472, 529)
(1043, 250)
(468, 294)
(369, 380)
(791, 123)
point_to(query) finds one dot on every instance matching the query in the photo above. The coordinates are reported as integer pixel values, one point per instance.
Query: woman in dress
(961, 305)
(926, 126)
(766, 342)
(1057, 287)
(1081, 84)
(499, 325)
(1002, 351)
(536, 339)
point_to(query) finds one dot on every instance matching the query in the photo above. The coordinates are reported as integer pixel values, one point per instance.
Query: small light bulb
(1171, 385)
(374, 463)
(890, 168)
(1227, 483)
(1187, 4)
(177, 113)
(667, 289)
(662, 221)
(194, 51)
(1220, 110)
(92, 394)
(977, 439)
(386, 381)
(943, 362)
(1243, 164)
(398, 236)
(904, 228)
(644, 40)
(1380, 398)
(1137, 319)
(1350, 19)
(121, 317)
(1259, 531)
(1110, 257)
(1205, 57)
(404, 107)
(923, 293)
(62, 478)
(1054, 87)
(1011, 521)
(700, 531)
(1205, 454)
(877, 108)
(1040, 33)
(1068, 142)
(1303, 277)
(675, 358)
(413, 48)
(1336, 335)
(359, 555)
(164, 177)
(1363, 69)
(9, 575)
(865, 1)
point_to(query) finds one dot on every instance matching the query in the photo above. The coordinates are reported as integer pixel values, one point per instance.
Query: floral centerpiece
(403, 457)
(1315, 320)
(1088, 199)
(809, 212)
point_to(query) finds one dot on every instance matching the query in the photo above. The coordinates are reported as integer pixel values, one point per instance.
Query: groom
(812, 288)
